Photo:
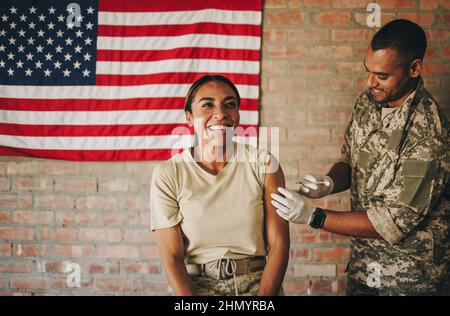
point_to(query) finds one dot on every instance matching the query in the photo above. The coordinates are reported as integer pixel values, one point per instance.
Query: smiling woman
(217, 232)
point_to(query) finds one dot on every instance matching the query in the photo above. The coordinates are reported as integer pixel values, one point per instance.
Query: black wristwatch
(318, 218)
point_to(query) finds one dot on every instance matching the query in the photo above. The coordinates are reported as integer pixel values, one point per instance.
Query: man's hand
(316, 186)
(292, 206)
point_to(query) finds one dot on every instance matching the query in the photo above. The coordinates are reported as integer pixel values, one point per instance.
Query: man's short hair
(404, 36)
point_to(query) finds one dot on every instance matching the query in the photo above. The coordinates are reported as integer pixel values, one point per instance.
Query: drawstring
(230, 270)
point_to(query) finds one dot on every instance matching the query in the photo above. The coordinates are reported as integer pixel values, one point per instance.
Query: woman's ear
(189, 118)
(416, 68)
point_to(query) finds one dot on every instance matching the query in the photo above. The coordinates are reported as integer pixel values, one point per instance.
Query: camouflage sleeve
(346, 147)
(419, 182)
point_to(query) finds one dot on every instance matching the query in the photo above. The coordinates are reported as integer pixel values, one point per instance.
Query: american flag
(105, 80)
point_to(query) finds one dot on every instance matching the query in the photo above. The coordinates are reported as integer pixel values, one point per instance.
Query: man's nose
(371, 81)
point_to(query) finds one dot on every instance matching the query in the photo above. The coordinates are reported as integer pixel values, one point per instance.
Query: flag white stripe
(110, 92)
(178, 65)
(171, 42)
(107, 143)
(135, 117)
(177, 18)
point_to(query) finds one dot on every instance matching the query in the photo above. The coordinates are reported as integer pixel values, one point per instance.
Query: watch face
(318, 218)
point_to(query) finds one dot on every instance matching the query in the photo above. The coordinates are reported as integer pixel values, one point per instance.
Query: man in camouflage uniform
(396, 162)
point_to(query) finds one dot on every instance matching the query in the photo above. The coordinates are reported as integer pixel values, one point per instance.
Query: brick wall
(96, 214)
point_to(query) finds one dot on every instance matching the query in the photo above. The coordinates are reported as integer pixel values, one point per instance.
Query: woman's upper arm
(277, 229)
(170, 242)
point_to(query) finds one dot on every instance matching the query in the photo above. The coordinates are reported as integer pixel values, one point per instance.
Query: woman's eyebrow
(230, 98)
(207, 99)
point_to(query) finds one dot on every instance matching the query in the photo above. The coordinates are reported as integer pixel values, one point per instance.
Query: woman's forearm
(273, 273)
(179, 279)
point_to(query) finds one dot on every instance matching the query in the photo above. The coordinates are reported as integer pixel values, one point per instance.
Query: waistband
(225, 268)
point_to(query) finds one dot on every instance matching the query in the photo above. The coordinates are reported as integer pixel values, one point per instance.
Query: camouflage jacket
(400, 175)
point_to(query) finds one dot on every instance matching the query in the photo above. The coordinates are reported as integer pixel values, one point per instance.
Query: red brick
(16, 201)
(143, 168)
(275, 34)
(55, 167)
(16, 294)
(119, 218)
(429, 4)
(137, 202)
(54, 267)
(118, 252)
(103, 268)
(74, 251)
(273, 67)
(321, 287)
(446, 52)
(332, 18)
(139, 267)
(303, 68)
(438, 35)
(361, 18)
(139, 235)
(31, 250)
(96, 202)
(311, 270)
(33, 217)
(295, 286)
(100, 234)
(309, 135)
(340, 268)
(300, 254)
(398, 4)
(332, 254)
(60, 234)
(308, 35)
(350, 35)
(349, 4)
(274, 4)
(331, 51)
(17, 233)
(435, 69)
(342, 84)
(34, 184)
(350, 67)
(122, 285)
(5, 185)
(5, 217)
(284, 18)
(76, 184)
(24, 167)
(317, 3)
(329, 118)
(423, 19)
(75, 218)
(5, 249)
(54, 201)
(113, 185)
(149, 252)
(102, 168)
(30, 283)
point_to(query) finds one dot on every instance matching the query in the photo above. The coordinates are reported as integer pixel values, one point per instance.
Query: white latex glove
(315, 186)
(292, 206)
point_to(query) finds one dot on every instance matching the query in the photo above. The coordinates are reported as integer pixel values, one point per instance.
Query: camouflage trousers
(246, 284)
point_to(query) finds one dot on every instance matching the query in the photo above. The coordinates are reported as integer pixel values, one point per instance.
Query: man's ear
(189, 118)
(416, 68)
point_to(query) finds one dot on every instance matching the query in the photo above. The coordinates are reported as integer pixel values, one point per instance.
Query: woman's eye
(231, 105)
(207, 105)
(382, 77)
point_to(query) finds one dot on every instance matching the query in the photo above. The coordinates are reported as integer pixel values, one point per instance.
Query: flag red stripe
(169, 78)
(177, 30)
(177, 5)
(102, 130)
(104, 105)
(90, 155)
(178, 53)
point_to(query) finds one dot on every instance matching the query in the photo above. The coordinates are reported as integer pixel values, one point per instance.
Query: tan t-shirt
(221, 216)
